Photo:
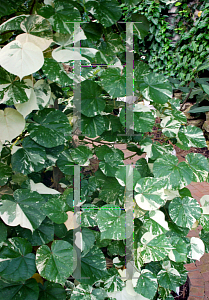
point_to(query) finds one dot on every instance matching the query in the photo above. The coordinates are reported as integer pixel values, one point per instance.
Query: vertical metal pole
(76, 82)
(77, 241)
(129, 208)
(129, 77)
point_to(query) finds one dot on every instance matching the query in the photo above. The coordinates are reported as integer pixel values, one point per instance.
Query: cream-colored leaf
(159, 217)
(12, 124)
(204, 201)
(71, 221)
(42, 189)
(27, 107)
(42, 43)
(1, 146)
(65, 55)
(197, 248)
(19, 218)
(21, 60)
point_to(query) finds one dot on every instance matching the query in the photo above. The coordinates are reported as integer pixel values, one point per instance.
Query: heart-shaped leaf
(12, 124)
(200, 166)
(184, 212)
(111, 222)
(19, 290)
(149, 194)
(21, 59)
(107, 12)
(24, 209)
(156, 88)
(16, 254)
(50, 128)
(55, 264)
(146, 284)
(29, 158)
(176, 176)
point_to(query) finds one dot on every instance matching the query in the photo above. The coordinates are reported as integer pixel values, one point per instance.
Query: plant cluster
(67, 196)
(176, 44)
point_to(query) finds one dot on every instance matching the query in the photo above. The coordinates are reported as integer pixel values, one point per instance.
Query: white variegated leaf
(21, 60)
(197, 248)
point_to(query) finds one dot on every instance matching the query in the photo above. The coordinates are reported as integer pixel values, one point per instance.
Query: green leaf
(55, 264)
(40, 236)
(203, 66)
(125, 176)
(200, 109)
(102, 150)
(155, 222)
(156, 88)
(65, 162)
(111, 191)
(93, 127)
(155, 150)
(42, 92)
(108, 12)
(200, 166)
(50, 129)
(81, 155)
(146, 284)
(205, 238)
(169, 279)
(19, 290)
(116, 248)
(170, 127)
(184, 212)
(83, 292)
(88, 239)
(3, 232)
(176, 176)
(68, 158)
(15, 255)
(114, 282)
(113, 82)
(89, 215)
(143, 121)
(52, 291)
(29, 158)
(111, 222)
(5, 173)
(179, 253)
(51, 68)
(141, 25)
(55, 208)
(141, 70)
(12, 23)
(15, 93)
(143, 167)
(154, 248)
(62, 17)
(38, 26)
(24, 209)
(93, 265)
(92, 103)
(149, 193)
(191, 136)
(111, 164)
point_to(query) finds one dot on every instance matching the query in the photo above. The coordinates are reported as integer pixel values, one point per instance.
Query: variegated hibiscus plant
(77, 219)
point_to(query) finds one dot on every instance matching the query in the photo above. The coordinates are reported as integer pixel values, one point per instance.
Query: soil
(183, 153)
(184, 292)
